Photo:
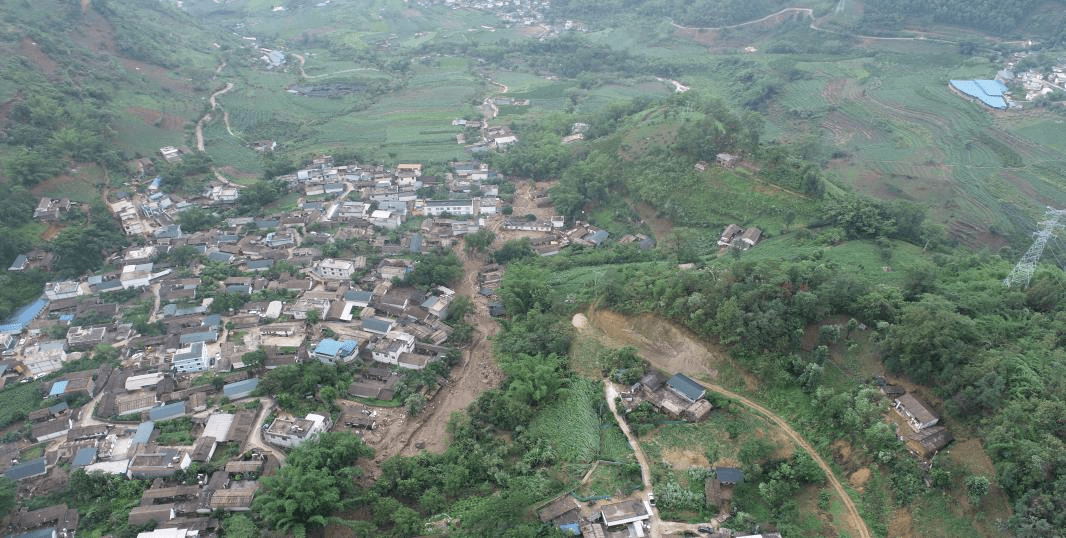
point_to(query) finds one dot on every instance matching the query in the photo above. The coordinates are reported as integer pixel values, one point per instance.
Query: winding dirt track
(849, 505)
(660, 360)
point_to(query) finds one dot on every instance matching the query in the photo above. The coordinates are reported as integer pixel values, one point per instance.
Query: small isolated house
(685, 387)
(917, 415)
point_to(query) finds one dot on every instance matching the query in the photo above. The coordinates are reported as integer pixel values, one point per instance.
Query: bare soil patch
(685, 459)
(660, 227)
(652, 335)
(37, 57)
(859, 478)
(156, 118)
(901, 524)
(52, 231)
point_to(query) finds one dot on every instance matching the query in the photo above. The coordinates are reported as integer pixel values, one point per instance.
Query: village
(289, 297)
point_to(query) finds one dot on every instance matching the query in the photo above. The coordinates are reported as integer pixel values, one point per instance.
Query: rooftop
(989, 92)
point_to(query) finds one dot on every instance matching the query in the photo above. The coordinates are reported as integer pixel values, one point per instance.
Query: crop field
(227, 150)
(576, 428)
(908, 136)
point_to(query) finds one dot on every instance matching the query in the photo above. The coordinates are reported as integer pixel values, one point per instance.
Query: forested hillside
(70, 77)
(989, 15)
(993, 354)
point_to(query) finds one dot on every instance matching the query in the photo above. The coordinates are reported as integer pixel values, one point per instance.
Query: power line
(1023, 271)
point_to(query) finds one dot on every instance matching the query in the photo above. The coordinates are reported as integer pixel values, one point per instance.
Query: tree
(239, 526)
(254, 359)
(480, 240)
(317, 477)
(514, 249)
(524, 288)
(977, 486)
(8, 489)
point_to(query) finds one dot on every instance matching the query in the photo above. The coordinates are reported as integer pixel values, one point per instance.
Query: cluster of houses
(1035, 82)
(736, 237)
(632, 517)
(625, 518)
(133, 447)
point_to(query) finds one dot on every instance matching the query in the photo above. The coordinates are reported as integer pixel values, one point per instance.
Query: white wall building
(452, 207)
(288, 432)
(192, 359)
(332, 269)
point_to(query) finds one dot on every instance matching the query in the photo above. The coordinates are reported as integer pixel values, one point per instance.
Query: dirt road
(645, 471)
(207, 117)
(653, 352)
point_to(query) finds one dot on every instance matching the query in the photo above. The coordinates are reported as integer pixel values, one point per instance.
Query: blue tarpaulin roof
(989, 92)
(59, 387)
(23, 316)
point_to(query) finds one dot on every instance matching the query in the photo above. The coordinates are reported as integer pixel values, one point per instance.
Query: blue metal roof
(686, 386)
(23, 316)
(428, 303)
(167, 412)
(416, 243)
(260, 264)
(239, 288)
(332, 348)
(27, 469)
(240, 389)
(59, 387)
(84, 457)
(58, 408)
(212, 320)
(66, 317)
(989, 92)
(599, 237)
(144, 432)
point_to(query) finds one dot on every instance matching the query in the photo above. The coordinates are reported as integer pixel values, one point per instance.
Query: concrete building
(290, 432)
(192, 359)
(452, 207)
(332, 269)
